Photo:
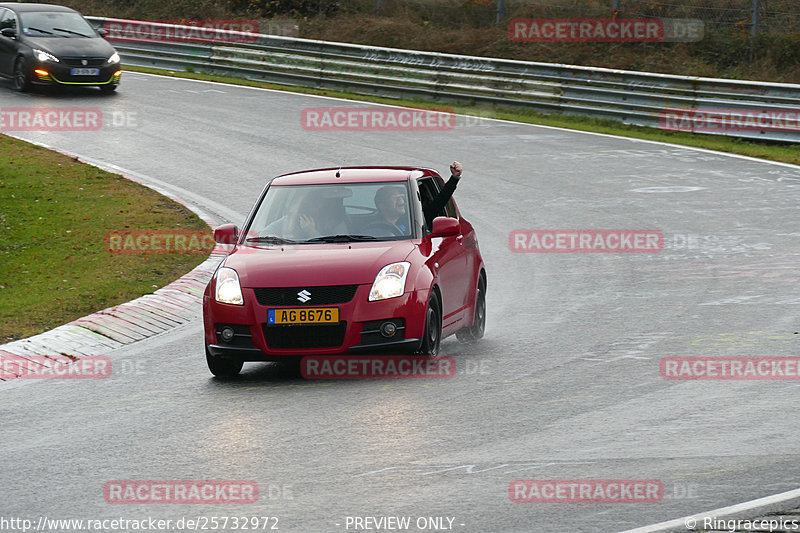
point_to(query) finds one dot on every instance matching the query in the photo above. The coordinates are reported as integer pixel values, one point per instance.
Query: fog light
(388, 329)
(227, 334)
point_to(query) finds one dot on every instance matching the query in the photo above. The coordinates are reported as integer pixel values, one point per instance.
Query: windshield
(332, 213)
(56, 24)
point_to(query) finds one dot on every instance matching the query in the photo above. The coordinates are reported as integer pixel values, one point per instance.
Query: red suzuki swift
(344, 260)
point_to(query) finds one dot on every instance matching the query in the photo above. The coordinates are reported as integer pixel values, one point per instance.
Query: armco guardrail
(757, 110)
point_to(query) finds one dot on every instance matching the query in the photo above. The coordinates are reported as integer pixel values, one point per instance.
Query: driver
(299, 222)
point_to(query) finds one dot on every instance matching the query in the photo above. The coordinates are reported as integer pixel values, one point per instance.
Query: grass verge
(55, 213)
(783, 152)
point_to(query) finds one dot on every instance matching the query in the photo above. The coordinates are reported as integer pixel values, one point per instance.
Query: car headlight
(390, 282)
(228, 289)
(113, 59)
(41, 55)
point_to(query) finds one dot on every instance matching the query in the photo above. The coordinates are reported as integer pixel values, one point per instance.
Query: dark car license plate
(85, 71)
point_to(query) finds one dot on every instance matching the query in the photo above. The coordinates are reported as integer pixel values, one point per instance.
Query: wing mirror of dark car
(9, 32)
(226, 234)
(445, 227)
(102, 32)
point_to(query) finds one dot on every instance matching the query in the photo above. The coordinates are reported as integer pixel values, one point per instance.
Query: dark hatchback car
(45, 44)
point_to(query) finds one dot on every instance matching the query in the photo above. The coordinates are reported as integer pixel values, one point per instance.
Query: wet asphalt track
(565, 385)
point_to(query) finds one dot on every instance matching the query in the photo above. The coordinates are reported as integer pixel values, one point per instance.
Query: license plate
(303, 315)
(85, 71)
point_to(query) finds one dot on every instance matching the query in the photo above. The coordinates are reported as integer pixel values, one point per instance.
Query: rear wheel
(22, 81)
(433, 327)
(475, 332)
(223, 367)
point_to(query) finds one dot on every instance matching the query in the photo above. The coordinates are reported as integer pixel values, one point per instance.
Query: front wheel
(433, 327)
(109, 88)
(475, 332)
(22, 81)
(222, 367)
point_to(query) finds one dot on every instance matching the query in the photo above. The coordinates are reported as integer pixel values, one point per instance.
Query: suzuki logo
(84, 62)
(303, 296)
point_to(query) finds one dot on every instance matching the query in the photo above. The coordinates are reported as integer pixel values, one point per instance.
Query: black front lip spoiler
(255, 354)
(403, 345)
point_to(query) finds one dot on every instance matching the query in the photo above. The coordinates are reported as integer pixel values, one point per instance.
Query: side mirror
(9, 32)
(445, 227)
(226, 234)
(102, 32)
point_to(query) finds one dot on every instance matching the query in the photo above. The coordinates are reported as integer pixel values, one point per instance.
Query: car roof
(25, 7)
(353, 175)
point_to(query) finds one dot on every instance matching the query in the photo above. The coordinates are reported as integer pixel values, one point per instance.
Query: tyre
(432, 335)
(22, 81)
(223, 367)
(475, 332)
(110, 88)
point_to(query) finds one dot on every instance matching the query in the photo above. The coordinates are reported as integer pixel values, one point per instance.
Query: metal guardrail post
(754, 28)
(501, 7)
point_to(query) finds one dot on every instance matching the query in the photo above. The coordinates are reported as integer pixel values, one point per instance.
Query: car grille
(332, 294)
(77, 61)
(305, 337)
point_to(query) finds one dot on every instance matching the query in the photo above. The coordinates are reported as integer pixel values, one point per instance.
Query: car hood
(354, 263)
(72, 46)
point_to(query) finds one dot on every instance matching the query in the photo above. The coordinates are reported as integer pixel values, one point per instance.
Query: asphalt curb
(103, 331)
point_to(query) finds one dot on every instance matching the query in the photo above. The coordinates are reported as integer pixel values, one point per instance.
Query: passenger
(436, 205)
(391, 204)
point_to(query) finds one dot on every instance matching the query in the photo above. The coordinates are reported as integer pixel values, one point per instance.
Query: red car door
(449, 262)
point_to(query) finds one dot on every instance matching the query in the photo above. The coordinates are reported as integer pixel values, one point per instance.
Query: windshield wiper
(41, 31)
(343, 238)
(271, 239)
(70, 31)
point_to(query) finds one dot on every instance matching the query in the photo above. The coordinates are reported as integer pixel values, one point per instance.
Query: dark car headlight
(113, 59)
(41, 55)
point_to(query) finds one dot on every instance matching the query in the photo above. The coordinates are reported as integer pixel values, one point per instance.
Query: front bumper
(358, 329)
(61, 74)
